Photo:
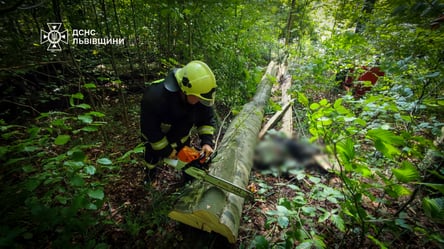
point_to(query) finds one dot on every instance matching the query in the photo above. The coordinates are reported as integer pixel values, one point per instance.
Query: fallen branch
(273, 120)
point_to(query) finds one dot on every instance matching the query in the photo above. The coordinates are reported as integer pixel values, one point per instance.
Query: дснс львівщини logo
(54, 37)
(57, 34)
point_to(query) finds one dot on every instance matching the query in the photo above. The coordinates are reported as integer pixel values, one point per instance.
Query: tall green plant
(377, 163)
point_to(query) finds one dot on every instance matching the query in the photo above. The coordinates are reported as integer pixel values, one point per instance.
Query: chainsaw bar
(204, 176)
(218, 182)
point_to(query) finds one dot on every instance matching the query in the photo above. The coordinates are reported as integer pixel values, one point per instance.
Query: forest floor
(139, 210)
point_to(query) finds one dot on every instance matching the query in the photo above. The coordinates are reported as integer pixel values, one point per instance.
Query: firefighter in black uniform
(171, 107)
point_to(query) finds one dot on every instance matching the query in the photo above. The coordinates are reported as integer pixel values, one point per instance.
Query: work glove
(207, 150)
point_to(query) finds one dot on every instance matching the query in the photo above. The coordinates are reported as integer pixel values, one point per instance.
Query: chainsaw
(193, 163)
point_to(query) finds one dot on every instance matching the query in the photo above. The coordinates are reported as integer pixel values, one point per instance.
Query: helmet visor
(206, 102)
(207, 99)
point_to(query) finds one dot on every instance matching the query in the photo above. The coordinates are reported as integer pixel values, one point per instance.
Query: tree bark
(366, 10)
(289, 23)
(209, 208)
(273, 120)
(287, 118)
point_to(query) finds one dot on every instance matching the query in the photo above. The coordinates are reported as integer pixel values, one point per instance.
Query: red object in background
(359, 89)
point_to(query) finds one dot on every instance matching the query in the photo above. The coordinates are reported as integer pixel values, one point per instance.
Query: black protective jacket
(166, 120)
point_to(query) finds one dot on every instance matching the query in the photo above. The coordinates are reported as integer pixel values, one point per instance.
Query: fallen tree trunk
(287, 118)
(286, 114)
(209, 208)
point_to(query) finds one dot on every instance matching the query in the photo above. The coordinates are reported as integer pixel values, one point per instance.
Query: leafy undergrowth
(303, 210)
(66, 187)
(272, 220)
(286, 211)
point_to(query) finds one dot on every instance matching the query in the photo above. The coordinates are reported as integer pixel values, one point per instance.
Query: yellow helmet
(197, 79)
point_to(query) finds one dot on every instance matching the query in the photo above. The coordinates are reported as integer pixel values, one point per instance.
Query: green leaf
(30, 148)
(323, 102)
(96, 194)
(28, 168)
(377, 242)
(96, 114)
(74, 165)
(61, 199)
(302, 99)
(282, 210)
(91, 206)
(338, 222)
(87, 119)
(325, 121)
(338, 103)
(90, 85)
(62, 139)
(318, 242)
(360, 122)
(104, 161)
(77, 96)
(305, 245)
(89, 129)
(385, 136)
(83, 106)
(364, 170)
(346, 150)
(387, 149)
(310, 211)
(433, 208)
(77, 181)
(32, 184)
(398, 191)
(407, 173)
(90, 170)
(385, 141)
(314, 179)
(314, 106)
(324, 217)
(139, 149)
(402, 223)
(78, 156)
(283, 221)
(260, 242)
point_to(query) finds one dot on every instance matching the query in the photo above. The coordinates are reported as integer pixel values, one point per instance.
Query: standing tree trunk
(287, 119)
(289, 23)
(209, 208)
(366, 10)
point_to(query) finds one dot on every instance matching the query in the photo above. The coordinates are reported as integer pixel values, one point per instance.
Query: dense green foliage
(61, 111)
(387, 162)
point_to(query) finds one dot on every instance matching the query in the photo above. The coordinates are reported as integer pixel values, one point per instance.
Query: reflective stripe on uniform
(153, 82)
(182, 141)
(205, 130)
(159, 145)
(148, 165)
